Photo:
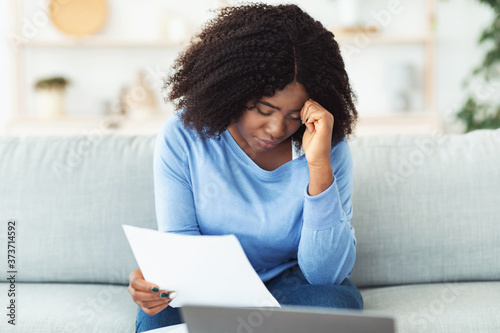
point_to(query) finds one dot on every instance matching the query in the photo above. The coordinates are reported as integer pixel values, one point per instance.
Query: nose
(276, 127)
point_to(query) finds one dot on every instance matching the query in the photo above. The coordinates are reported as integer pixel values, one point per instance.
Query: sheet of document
(202, 270)
(181, 328)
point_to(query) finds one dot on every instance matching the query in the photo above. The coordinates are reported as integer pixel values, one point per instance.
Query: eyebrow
(274, 107)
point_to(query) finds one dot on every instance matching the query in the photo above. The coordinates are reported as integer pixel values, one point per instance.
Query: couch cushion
(70, 196)
(440, 307)
(426, 208)
(53, 307)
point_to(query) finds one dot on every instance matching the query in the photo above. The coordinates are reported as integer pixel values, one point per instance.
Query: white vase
(50, 102)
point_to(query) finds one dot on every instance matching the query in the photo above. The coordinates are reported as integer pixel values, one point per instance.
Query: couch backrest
(426, 208)
(70, 196)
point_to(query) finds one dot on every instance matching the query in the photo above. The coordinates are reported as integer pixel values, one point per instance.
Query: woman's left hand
(317, 144)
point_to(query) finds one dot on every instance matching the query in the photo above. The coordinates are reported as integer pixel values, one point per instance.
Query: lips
(267, 144)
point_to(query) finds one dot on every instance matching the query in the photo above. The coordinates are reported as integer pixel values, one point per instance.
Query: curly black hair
(250, 51)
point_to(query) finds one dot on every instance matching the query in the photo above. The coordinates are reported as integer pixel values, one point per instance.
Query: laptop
(215, 319)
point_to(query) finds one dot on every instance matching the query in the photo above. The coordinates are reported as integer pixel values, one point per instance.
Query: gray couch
(426, 215)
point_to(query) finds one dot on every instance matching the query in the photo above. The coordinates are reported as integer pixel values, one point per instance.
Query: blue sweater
(214, 188)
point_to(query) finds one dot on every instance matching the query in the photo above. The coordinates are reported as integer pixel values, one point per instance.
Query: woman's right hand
(148, 295)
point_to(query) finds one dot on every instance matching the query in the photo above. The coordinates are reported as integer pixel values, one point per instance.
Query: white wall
(459, 23)
(6, 98)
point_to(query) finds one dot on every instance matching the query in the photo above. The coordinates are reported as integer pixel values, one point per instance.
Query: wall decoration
(78, 17)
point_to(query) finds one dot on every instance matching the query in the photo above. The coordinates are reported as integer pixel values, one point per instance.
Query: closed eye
(291, 115)
(262, 113)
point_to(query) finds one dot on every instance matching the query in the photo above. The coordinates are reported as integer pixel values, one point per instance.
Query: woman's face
(272, 120)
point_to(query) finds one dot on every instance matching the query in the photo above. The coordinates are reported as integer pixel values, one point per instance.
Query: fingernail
(164, 295)
(301, 121)
(155, 289)
(172, 295)
(309, 131)
(307, 119)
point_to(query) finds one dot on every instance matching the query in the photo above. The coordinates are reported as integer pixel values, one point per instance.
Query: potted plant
(50, 96)
(481, 110)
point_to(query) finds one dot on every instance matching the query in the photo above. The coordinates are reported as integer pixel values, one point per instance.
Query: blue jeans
(289, 288)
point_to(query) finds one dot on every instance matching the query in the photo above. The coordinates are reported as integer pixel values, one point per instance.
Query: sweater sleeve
(327, 248)
(174, 204)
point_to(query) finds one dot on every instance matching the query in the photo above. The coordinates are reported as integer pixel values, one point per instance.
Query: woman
(259, 150)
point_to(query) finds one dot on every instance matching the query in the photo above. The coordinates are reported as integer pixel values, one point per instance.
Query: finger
(305, 111)
(152, 304)
(308, 109)
(135, 274)
(140, 284)
(137, 281)
(311, 121)
(139, 296)
(154, 310)
(315, 103)
(305, 117)
(320, 119)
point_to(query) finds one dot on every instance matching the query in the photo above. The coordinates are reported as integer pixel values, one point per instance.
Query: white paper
(181, 328)
(202, 270)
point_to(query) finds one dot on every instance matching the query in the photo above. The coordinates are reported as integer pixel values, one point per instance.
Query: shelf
(97, 43)
(360, 34)
(394, 114)
(384, 39)
(400, 123)
(74, 125)
(79, 119)
(406, 117)
(161, 117)
(340, 37)
(380, 124)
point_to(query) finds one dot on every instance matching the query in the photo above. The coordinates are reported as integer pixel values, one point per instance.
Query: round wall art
(78, 17)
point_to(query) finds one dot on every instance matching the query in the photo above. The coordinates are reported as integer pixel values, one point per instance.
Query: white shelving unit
(424, 120)
(101, 43)
(383, 122)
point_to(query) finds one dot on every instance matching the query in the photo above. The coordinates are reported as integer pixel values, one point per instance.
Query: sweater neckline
(243, 157)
